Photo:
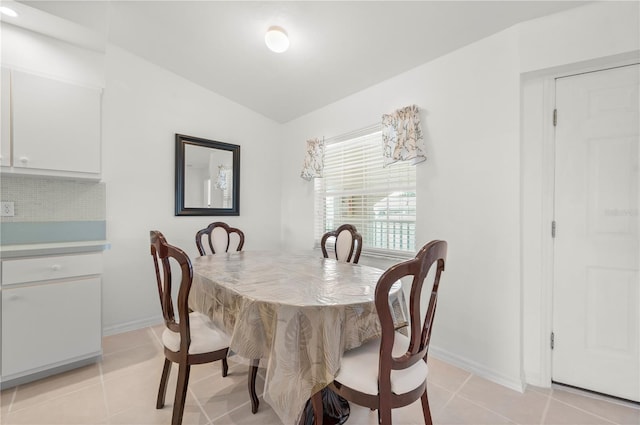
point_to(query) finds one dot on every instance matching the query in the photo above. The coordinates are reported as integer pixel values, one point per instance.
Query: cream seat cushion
(359, 368)
(205, 336)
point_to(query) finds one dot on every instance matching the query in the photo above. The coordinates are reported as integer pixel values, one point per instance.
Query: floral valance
(402, 136)
(313, 159)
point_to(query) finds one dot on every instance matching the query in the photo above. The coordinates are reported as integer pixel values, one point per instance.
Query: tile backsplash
(42, 199)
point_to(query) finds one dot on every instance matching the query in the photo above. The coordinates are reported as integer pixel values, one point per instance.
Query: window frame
(320, 196)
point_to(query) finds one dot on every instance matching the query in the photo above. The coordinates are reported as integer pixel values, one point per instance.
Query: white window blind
(357, 189)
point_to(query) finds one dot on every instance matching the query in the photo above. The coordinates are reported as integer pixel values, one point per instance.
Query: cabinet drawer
(47, 268)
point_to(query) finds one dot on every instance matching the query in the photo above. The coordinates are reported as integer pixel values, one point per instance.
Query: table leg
(253, 372)
(318, 409)
(335, 409)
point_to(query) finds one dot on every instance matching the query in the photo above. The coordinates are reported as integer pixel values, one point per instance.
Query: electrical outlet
(7, 209)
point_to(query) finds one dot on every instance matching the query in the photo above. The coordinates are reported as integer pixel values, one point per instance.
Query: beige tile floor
(122, 388)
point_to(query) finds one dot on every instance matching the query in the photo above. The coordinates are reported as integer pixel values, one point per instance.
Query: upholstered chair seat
(359, 368)
(205, 336)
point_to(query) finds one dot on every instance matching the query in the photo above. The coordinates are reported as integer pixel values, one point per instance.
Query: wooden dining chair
(391, 371)
(220, 237)
(193, 338)
(348, 243)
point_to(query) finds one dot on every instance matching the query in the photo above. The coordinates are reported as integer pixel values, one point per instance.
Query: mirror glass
(207, 177)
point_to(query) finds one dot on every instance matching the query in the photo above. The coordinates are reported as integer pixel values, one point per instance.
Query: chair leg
(162, 391)
(181, 394)
(316, 403)
(225, 367)
(253, 372)
(425, 409)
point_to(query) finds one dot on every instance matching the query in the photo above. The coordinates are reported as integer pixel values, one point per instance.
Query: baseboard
(477, 369)
(132, 326)
(536, 380)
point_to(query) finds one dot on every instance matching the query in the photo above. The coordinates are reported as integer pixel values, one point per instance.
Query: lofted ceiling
(337, 47)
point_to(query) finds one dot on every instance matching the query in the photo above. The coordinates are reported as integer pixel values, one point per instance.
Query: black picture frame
(182, 142)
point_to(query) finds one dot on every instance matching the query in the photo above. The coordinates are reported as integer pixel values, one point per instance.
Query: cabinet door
(5, 118)
(56, 125)
(50, 324)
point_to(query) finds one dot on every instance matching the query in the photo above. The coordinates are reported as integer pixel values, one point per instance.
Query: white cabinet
(5, 116)
(51, 314)
(53, 126)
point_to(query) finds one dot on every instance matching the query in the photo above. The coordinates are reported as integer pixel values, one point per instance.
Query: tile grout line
(124, 350)
(13, 398)
(585, 411)
(246, 403)
(454, 393)
(228, 412)
(104, 394)
(546, 409)
(154, 336)
(128, 348)
(193, 394)
(64, 394)
(475, 403)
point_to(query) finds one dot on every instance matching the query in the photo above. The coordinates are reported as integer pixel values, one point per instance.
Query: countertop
(30, 250)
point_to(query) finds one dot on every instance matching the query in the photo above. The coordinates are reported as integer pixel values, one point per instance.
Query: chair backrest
(163, 255)
(420, 326)
(348, 244)
(220, 237)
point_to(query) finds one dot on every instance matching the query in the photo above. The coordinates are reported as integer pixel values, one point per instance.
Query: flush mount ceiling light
(7, 11)
(277, 39)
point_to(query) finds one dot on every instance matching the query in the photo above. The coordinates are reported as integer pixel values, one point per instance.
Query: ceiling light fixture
(8, 11)
(277, 39)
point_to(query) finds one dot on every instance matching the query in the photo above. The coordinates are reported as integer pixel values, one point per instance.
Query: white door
(596, 313)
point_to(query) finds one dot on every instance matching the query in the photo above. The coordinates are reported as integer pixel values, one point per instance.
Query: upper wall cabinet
(5, 112)
(53, 127)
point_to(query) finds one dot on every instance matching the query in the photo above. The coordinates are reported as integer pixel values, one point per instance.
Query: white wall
(143, 107)
(469, 190)
(582, 34)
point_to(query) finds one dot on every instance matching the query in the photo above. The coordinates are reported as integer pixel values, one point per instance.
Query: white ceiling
(337, 48)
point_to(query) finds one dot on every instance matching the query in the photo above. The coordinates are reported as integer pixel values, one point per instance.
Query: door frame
(537, 189)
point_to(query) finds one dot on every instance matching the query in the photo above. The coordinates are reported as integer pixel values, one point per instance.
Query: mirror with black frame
(207, 177)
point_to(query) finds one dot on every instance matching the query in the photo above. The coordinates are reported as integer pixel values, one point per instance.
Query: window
(356, 189)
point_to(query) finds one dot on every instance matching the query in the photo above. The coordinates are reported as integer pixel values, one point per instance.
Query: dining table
(295, 312)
